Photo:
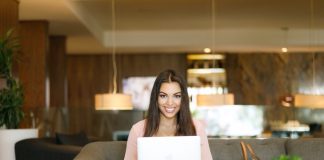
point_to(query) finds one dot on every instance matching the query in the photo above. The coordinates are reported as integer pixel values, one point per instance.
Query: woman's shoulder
(199, 124)
(138, 129)
(139, 125)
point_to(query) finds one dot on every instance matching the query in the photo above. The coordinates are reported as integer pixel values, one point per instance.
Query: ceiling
(182, 26)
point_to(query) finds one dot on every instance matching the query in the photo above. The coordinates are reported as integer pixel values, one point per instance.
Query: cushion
(265, 149)
(109, 150)
(311, 149)
(78, 139)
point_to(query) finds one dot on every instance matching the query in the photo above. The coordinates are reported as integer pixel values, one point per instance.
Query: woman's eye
(162, 96)
(178, 96)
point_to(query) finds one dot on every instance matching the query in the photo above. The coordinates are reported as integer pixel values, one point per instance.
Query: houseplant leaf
(11, 97)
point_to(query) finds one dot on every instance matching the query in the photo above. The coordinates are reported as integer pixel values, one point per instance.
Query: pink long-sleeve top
(138, 131)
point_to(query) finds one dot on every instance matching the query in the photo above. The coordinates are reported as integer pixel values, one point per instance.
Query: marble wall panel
(265, 78)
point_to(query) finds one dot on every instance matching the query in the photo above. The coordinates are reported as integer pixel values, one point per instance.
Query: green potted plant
(11, 100)
(288, 157)
(11, 93)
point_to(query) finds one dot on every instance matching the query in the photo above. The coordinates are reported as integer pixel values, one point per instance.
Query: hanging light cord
(113, 36)
(286, 36)
(311, 37)
(213, 16)
(314, 81)
(213, 26)
(286, 29)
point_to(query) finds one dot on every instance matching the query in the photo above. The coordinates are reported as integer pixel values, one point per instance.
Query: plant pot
(8, 139)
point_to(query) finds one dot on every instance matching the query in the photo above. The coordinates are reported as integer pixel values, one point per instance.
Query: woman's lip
(169, 109)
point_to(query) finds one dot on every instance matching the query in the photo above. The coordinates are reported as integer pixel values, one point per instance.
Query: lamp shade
(311, 101)
(208, 100)
(113, 102)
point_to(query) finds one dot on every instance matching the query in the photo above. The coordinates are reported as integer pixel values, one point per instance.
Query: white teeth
(169, 110)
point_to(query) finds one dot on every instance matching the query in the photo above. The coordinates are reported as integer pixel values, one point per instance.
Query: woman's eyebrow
(173, 93)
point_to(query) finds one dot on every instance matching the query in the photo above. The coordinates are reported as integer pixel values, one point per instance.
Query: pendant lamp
(113, 101)
(214, 99)
(313, 100)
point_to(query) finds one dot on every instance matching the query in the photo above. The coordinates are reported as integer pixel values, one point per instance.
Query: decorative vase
(8, 139)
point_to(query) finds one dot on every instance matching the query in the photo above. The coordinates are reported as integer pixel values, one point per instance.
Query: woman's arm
(131, 149)
(205, 151)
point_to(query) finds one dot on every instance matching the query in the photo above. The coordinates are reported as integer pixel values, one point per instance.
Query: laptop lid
(169, 148)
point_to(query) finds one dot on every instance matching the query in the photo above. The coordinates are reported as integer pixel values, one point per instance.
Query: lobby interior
(66, 59)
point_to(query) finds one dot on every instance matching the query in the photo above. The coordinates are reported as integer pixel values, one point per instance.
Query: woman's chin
(169, 115)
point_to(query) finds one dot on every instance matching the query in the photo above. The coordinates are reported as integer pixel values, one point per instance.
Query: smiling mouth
(169, 109)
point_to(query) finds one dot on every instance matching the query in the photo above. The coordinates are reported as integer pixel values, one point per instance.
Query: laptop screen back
(169, 148)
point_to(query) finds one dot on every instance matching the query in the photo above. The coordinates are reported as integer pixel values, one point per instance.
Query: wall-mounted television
(140, 89)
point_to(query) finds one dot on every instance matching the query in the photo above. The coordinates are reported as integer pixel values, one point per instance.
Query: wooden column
(8, 15)
(57, 70)
(32, 66)
(8, 19)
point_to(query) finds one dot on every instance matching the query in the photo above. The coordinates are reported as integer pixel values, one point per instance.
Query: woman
(168, 115)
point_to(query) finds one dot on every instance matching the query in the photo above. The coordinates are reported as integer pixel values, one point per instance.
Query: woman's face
(169, 99)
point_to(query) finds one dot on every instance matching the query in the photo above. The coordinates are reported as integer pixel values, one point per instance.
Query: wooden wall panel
(57, 71)
(32, 66)
(8, 15)
(152, 64)
(91, 74)
(85, 73)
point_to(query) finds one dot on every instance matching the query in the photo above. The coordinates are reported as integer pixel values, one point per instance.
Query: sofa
(60, 147)
(44, 149)
(221, 149)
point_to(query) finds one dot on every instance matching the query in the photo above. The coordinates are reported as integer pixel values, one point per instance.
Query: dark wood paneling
(89, 75)
(57, 71)
(152, 64)
(8, 15)
(32, 65)
(85, 74)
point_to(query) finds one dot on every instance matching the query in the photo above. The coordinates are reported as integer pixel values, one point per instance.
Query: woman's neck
(167, 127)
(168, 121)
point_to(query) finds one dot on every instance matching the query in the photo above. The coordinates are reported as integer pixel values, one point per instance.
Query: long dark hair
(185, 126)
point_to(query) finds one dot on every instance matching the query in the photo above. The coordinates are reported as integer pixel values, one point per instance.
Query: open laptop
(169, 148)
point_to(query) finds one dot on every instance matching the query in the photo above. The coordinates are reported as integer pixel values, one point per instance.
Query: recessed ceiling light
(284, 50)
(207, 50)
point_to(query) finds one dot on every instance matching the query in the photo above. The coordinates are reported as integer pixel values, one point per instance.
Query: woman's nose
(170, 101)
